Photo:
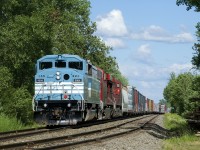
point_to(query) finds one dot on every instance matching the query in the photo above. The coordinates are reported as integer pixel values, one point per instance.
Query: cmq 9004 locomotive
(69, 89)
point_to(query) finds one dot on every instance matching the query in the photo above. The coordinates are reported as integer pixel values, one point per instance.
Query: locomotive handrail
(78, 91)
(33, 104)
(42, 86)
(80, 95)
(39, 91)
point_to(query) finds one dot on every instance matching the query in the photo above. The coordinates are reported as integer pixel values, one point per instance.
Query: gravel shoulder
(140, 140)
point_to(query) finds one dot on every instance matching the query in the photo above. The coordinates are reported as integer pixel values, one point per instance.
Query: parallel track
(34, 131)
(20, 131)
(99, 138)
(27, 132)
(30, 144)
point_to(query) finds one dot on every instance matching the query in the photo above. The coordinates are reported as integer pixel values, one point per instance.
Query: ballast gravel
(140, 140)
(69, 131)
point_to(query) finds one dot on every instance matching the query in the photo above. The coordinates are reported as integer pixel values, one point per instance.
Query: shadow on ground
(159, 132)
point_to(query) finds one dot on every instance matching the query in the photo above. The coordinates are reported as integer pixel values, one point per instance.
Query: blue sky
(150, 39)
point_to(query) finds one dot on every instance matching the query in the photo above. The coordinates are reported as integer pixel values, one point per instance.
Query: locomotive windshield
(60, 64)
(45, 65)
(76, 65)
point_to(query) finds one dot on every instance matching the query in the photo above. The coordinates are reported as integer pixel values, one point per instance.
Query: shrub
(8, 123)
(18, 103)
(176, 123)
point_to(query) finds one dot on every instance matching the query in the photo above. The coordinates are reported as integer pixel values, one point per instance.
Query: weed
(186, 139)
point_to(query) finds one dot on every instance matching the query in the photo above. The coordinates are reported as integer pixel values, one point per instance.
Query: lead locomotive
(69, 89)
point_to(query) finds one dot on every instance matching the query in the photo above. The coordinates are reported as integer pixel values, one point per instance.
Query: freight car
(69, 89)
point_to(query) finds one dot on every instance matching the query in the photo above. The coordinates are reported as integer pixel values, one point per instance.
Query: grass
(9, 124)
(176, 123)
(185, 142)
(187, 139)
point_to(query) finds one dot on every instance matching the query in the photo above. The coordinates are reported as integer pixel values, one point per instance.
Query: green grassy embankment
(9, 124)
(187, 139)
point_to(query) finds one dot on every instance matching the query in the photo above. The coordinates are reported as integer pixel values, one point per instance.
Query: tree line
(31, 29)
(180, 92)
(183, 90)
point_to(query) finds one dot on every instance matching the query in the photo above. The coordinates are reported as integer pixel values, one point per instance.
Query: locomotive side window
(45, 65)
(94, 72)
(89, 69)
(76, 65)
(99, 74)
(60, 64)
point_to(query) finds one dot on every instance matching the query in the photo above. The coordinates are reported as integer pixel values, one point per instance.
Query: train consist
(69, 89)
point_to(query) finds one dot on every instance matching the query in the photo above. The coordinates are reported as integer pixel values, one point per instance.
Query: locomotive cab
(59, 90)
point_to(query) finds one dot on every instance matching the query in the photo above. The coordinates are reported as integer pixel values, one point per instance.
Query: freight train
(69, 90)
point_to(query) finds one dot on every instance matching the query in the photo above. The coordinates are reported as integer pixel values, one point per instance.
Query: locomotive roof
(62, 55)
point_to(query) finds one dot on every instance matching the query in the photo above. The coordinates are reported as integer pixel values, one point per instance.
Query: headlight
(69, 105)
(58, 75)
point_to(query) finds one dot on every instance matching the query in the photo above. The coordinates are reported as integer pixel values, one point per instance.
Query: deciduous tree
(31, 29)
(196, 5)
(178, 92)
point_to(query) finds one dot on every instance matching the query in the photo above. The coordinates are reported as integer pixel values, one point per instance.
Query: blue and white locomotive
(66, 90)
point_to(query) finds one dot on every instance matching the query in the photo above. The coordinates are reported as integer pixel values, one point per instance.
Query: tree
(44, 27)
(5, 79)
(178, 92)
(196, 48)
(169, 93)
(18, 104)
(196, 4)
(189, 4)
(31, 29)
(162, 102)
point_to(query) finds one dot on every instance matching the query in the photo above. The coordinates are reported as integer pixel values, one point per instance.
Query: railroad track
(20, 131)
(35, 131)
(26, 132)
(79, 138)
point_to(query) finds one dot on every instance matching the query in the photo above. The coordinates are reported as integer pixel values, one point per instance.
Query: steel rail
(20, 131)
(98, 138)
(27, 133)
(30, 143)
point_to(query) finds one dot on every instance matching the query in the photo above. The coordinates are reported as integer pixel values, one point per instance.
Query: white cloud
(128, 70)
(146, 84)
(115, 43)
(112, 24)
(142, 55)
(178, 68)
(157, 33)
(151, 79)
(144, 51)
(145, 73)
(182, 38)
